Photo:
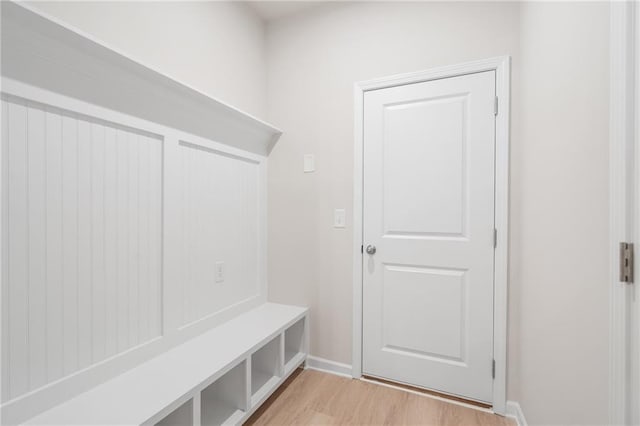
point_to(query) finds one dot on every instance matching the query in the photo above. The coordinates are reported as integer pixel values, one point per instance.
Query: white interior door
(429, 212)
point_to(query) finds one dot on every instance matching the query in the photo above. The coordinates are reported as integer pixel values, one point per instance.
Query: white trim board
(173, 332)
(624, 130)
(327, 366)
(514, 411)
(501, 65)
(67, 61)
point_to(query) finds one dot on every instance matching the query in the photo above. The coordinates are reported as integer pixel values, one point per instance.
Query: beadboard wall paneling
(82, 242)
(220, 218)
(94, 260)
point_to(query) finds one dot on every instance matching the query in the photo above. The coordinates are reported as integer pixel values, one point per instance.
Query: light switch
(339, 218)
(220, 271)
(309, 163)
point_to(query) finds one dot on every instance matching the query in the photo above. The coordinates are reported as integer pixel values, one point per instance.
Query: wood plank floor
(313, 398)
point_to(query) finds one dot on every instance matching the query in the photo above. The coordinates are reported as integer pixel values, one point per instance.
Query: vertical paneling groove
(188, 287)
(18, 251)
(186, 258)
(111, 240)
(53, 210)
(5, 251)
(82, 243)
(70, 242)
(37, 247)
(143, 238)
(133, 239)
(224, 187)
(155, 234)
(123, 242)
(98, 242)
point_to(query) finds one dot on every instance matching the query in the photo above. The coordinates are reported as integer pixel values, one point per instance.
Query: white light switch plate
(220, 272)
(309, 163)
(339, 218)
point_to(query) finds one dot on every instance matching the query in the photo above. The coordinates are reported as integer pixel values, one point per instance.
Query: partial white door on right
(428, 273)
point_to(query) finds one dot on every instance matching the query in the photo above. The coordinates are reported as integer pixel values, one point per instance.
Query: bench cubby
(183, 415)
(294, 345)
(266, 368)
(224, 375)
(225, 401)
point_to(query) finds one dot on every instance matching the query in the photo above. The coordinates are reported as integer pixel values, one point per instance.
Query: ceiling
(270, 10)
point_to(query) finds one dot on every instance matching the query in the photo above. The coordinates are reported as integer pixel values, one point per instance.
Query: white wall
(558, 271)
(112, 225)
(189, 41)
(82, 199)
(558, 298)
(560, 256)
(313, 61)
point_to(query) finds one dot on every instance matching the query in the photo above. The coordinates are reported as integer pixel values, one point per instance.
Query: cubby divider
(218, 378)
(266, 368)
(225, 400)
(183, 415)
(294, 345)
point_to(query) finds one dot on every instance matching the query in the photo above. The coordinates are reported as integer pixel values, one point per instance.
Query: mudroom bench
(220, 377)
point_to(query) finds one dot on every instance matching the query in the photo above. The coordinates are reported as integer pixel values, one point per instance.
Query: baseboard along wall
(514, 410)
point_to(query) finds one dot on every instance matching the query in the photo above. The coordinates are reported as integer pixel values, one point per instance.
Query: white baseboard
(321, 364)
(514, 411)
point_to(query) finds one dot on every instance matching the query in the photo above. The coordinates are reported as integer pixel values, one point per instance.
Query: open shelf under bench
(212, 374)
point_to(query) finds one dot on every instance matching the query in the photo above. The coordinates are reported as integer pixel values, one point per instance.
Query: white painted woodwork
(43, 52)
(266, 367)
(121, 190)
(624, 207)
(429, 210)
(294, 342)
(159, 263)
(183, 415)
(203, 370)
(225, 400)
(62, 242)
(221, 215)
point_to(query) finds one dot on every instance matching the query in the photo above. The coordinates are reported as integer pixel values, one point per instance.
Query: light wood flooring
(313, 398)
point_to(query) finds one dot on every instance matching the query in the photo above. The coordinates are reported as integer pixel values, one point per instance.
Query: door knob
(371, 249)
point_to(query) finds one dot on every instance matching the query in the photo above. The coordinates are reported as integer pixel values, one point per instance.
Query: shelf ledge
(42, 51)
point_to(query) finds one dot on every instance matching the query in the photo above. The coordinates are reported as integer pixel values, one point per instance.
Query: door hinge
(626, 262)
(495, 106)
(493, 369)
(495, 238)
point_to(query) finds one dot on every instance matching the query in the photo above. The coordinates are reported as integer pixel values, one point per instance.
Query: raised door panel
(424, 160)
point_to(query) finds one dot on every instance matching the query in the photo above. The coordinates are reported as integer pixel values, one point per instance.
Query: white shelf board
(260, 381)
(142, 395)
(43, 51)
(220, 413)
(266, 391)
(293, 360)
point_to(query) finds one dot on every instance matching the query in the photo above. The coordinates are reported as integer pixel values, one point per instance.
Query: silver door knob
(371, 249)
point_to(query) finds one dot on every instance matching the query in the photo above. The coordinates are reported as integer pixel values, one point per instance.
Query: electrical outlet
(220, 272)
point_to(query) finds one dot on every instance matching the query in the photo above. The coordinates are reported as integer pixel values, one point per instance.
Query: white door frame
(501, 65)
(624, 181)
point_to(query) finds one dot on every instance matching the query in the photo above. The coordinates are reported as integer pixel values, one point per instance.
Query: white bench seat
(152, 390)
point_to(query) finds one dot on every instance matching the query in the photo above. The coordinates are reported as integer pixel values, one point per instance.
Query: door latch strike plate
(626, 263)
